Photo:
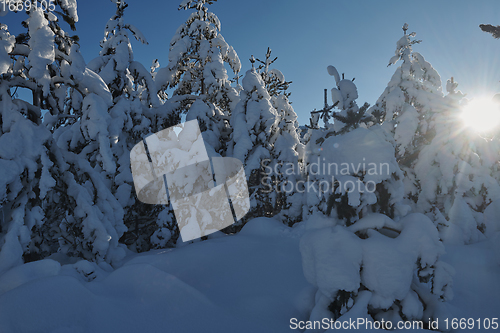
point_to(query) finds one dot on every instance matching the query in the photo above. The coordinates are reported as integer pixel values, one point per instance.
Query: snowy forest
(385, 213)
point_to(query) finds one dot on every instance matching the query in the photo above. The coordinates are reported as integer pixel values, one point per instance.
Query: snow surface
(249, 282)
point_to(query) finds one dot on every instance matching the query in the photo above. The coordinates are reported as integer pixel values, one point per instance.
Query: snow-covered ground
(249, 282)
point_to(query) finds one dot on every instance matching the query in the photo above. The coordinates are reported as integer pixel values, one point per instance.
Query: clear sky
(357, 37)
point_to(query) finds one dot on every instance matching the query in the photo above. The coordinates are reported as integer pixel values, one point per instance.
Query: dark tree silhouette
(495, 31)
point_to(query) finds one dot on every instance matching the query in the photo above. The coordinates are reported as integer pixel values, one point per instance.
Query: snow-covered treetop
(403, 46)
(116, 26)
(116, 65)
(198, 4)
(451, 86)
(273, 78)
(344, 97)
(202, 13)
(414, 67)
(197, 55)
(346, 91)
(455, 95)
(411, 81)
(410, 99)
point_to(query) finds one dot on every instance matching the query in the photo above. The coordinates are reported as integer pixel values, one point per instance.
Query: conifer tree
(196, 72)
(61, 205)
(359, 223)
(254, 122)
(350, 191)
(285, 163)
(456, 174)
(407, 105)
(136, 113)
(25, 141)
(24, 157)
(288, 155)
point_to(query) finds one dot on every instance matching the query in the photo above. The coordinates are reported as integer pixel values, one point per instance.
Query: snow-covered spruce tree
(136, 113)
(283, 170)
(197, 74)
(80, 210)
(49, 188)
(24, 156)
(27, 63)
(359, 224)
(347, 179)
(287, 164)
(254, 122)
(348, 115)
(90, 217)
(407, 104)
(456, 175)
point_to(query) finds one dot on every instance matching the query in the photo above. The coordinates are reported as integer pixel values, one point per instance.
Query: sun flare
(481, 114)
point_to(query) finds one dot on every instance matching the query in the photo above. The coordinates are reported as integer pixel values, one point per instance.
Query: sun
(481, 114)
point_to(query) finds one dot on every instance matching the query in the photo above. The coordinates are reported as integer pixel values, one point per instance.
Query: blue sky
(357, 37)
